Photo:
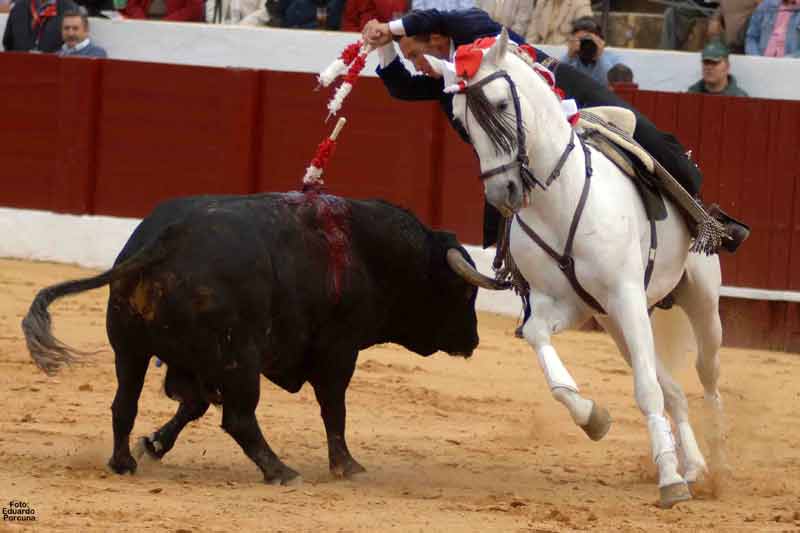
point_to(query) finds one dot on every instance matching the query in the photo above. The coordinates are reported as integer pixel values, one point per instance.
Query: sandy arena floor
(450, 445)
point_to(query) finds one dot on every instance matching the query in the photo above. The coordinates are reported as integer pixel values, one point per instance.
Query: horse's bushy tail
(673, 336)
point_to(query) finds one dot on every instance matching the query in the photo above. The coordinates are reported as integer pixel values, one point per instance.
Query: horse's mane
(499, 126)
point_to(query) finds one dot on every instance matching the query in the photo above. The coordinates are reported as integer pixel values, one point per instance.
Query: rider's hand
(376, 33)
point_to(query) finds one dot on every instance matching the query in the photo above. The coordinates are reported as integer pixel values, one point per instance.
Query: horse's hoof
(599, 422)
(672, 494)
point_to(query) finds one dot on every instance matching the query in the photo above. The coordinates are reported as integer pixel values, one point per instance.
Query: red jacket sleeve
(185, 11)
(136, 9)
(351, 18)
(357, 13)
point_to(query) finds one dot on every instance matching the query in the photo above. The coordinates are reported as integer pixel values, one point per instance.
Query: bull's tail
(49, 353)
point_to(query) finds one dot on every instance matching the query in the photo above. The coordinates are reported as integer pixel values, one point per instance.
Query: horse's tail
(49, 353)
(673, 336)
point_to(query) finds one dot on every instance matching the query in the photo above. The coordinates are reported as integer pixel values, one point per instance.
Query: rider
(439, 33)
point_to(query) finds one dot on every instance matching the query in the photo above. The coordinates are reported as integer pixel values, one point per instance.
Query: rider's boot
(737, 231)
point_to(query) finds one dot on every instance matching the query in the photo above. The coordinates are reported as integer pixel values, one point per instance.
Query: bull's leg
(131, 368)
(330, 386)
(627, 309)
(184, 388)
(550, 317)
(241, 389)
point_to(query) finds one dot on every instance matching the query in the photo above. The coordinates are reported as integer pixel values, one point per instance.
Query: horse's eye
(502, 106)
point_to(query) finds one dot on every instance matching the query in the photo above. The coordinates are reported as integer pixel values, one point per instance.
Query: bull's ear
(498, 50)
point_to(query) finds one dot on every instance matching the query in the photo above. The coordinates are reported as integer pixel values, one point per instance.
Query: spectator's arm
(753, 36)
(190, 11)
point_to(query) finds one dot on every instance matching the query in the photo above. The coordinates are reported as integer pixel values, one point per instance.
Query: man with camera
(586, 50)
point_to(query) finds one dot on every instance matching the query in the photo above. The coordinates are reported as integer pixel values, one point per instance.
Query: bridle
(521, 162)
(565, 260)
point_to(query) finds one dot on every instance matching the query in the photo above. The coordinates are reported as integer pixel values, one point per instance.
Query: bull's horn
(461, 267)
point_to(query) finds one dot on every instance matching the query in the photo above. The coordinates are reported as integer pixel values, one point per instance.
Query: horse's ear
(444, 68)
(498, 50)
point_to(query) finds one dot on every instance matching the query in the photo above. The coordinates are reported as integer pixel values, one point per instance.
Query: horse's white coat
(610, 253)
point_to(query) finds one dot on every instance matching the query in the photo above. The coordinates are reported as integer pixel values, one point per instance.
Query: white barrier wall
(310, 51)
(95, 241)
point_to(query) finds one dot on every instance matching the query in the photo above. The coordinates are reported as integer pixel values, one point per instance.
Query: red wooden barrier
(168, 130)
(29, 140)
(115, 137)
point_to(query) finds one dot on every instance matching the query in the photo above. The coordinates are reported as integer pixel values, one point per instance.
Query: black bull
(224, 289)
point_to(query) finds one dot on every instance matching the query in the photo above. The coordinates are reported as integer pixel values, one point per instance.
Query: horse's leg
(627, 309)
(698, 296)
(550, 317)
(676, 405)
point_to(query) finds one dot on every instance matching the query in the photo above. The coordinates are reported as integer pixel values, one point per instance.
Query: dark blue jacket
(463, 27)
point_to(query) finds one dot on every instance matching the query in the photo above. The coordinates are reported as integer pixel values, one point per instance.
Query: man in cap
(716, 72)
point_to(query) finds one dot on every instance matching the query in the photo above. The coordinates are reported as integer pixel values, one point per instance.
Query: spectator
(512, 14)
(774, 29)
(242, 12)
(442, 5)
(620, 76)
(312, 14)
(550, 21)
(75, 34)
(716, 72)
(358, 12)
(586, 50)
(172, 10)
(679, 21)
(729, 23)
(35, 25)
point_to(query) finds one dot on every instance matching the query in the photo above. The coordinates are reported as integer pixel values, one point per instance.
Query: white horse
(610, 253)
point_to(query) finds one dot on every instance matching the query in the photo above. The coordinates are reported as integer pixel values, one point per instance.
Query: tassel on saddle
(710, 228)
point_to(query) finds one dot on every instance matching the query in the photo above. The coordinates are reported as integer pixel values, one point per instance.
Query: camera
(587, 50)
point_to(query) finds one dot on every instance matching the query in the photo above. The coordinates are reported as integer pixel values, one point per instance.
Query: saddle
(610, 130)
(628, 156)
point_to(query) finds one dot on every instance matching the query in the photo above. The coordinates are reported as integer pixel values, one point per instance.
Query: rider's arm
(399, 81)
(463, 26)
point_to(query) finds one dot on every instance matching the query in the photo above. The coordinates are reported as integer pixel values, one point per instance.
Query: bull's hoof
(599, 422)
(148, 445)
(349, 470)
(672, 494)
(286, 476)
(123, 465)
